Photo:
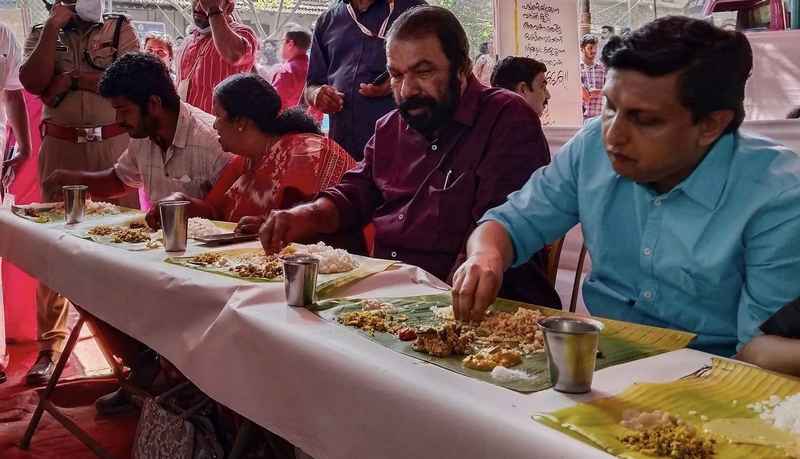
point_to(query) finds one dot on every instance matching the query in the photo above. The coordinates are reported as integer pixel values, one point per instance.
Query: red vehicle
(751, 14)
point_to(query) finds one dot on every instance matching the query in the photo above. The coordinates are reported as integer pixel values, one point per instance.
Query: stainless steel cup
(174, 222)
(74, 203)
(571, 347)
(300, 279)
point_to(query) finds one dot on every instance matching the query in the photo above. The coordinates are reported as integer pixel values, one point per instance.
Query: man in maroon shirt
(453, 149)
(290, 79)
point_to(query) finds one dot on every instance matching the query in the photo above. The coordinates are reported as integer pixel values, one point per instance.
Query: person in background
(267, 61)
(453, 149)
(289, 79)
(526, 77)
(484, 63)
(12, 104)
(691, 223)
(593, 77)
(79, 128)
(217, 48)
(160, 45)
(606, 32)
(281, 158)
(347, 55)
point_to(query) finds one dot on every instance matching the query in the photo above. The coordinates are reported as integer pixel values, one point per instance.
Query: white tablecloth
(324, 388)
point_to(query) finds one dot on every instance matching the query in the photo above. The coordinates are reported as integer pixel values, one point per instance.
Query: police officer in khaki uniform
(65, 58)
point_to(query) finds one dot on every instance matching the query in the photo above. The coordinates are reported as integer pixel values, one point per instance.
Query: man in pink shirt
(290, 78)
(218, 48)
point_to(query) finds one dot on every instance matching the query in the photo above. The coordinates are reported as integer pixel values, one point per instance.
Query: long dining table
(323, 387)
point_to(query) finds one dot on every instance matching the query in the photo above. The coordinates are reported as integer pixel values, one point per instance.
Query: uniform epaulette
(115, 16)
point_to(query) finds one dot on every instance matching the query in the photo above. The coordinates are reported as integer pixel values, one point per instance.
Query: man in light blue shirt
(690, 224)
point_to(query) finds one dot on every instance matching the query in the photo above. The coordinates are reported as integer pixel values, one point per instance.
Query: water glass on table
(300, 279)
(571, 347)
(74, 203)
(174, 223)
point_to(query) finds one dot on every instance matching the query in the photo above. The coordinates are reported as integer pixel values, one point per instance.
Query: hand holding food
(284, 226)
(475, 285)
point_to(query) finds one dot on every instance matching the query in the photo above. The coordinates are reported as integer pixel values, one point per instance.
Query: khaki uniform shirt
(87, 51)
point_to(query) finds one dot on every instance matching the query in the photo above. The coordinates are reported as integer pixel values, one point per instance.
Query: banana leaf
(620, 342)
(722, 392)
(326, 283)
(82, 231)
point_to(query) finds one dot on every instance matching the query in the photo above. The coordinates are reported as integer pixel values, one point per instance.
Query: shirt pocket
(454, 206)
(65, 61)
(194, 187)
(374, 61)
(100, 55)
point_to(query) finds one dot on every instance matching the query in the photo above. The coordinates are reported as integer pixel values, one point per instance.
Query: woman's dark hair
(512, 70)
(714, 64)
(247, 95)
(136, 76)
(426, 20)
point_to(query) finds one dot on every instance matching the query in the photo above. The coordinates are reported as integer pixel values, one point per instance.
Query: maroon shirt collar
(469, 105)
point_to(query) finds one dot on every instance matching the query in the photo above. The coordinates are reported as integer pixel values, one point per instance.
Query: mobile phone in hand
(380, 79)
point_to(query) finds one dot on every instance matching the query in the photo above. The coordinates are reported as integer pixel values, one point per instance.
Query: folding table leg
(51, 385)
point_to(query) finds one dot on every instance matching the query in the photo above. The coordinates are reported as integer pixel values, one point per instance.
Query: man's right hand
(60, 15)
(328, 100)
(475, 285)
(285, 226)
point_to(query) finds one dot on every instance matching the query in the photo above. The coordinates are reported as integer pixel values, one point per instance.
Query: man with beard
(452, 150)
(64, 59)
(217, 48)
(173, 147)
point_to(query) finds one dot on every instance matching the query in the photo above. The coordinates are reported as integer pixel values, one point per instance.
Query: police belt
(82, 135)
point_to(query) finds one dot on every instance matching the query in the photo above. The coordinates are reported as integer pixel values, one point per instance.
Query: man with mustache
(526, 77)
(452, 150)
(217, 48)
(64, 58)
(173, 147)
(691, 223)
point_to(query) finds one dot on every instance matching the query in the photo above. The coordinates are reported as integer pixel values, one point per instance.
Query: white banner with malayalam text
(545, 30)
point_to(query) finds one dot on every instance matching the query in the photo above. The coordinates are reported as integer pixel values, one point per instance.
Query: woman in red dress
(282, 159)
